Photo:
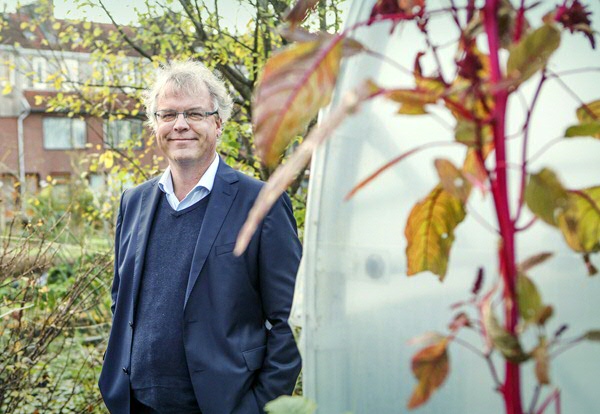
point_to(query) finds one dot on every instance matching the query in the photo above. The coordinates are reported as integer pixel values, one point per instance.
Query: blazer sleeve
(116, 279)
(279, 258)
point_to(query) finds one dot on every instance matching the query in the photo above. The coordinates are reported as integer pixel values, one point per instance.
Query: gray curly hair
(187, 77)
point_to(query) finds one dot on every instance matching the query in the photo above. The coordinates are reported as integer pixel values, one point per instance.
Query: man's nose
(181, 123)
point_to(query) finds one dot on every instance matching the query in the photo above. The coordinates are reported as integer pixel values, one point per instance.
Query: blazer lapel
(222, 195)
(149, 202)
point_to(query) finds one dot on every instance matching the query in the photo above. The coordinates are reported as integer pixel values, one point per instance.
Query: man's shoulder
(138, 190)
(244, 180)
(249, 181)
(252, 186)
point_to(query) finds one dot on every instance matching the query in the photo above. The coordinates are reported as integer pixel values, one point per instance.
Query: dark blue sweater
(159, 373)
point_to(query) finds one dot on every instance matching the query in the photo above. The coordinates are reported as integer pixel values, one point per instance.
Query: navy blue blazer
(236, 364)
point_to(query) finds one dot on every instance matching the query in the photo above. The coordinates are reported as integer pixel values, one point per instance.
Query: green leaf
(532, 53)
(430, 366)
(430, 232)
(291, 405)
(589, 121)
(580, 221)
(546, 197)
(593, 335)
(529, 299)
(590, 112)
(505, 342)
(590, 129)
(468, 133)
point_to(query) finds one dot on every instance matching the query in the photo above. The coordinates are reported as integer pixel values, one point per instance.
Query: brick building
(34, 142)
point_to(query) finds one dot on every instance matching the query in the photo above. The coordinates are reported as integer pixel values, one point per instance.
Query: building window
(39, 73)
(97, 183)
(121, 133)
(7, 75)
(70, 72)
(64, 133)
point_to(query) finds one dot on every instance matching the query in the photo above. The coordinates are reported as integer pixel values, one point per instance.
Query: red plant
(574, 16)
(476, 96)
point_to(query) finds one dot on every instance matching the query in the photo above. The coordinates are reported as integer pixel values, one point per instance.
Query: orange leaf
(430, 232)
(430, 366)
(294, 85)
(300, 10)
(285, 174)
(542, 362)
(452, 179)
(413, 101)
(473, 168)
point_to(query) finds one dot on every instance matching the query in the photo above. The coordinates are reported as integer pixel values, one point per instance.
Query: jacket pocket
(255, 357)
(224, 248)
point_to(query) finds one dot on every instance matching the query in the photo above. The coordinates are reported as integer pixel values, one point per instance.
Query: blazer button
(125, 370)
(131, 324)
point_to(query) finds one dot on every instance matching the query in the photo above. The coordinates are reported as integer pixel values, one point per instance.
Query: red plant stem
(511, 388)
(519, 22)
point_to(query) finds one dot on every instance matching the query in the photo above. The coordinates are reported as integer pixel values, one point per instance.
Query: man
(196, 329)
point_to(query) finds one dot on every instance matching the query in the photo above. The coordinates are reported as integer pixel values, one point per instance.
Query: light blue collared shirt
(200, 190)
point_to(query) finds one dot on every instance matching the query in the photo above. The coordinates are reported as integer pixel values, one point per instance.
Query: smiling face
(188, 144)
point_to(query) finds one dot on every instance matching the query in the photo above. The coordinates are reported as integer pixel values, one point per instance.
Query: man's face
(183, 141)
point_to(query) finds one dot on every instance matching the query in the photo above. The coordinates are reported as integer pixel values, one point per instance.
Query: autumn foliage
(299, 80)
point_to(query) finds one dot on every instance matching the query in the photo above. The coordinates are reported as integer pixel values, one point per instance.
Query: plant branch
(525, 142)
(553, 397)
(363, 183)
(123, 34)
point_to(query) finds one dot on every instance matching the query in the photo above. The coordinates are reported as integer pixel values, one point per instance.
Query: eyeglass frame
(205, 115)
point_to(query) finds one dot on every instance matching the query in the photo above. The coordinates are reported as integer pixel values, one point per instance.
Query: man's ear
(219, 127)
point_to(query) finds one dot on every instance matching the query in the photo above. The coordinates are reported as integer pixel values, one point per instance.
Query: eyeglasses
(168, 115)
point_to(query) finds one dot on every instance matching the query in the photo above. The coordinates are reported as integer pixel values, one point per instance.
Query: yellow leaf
(580, 221)
(7, 89)
(107, 159)
(413, 101)
(430, 232)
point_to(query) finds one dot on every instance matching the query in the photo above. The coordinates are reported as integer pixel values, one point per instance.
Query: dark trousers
(139, 408)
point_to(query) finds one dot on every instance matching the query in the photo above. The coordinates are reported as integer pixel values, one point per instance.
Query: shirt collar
(165, 183)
